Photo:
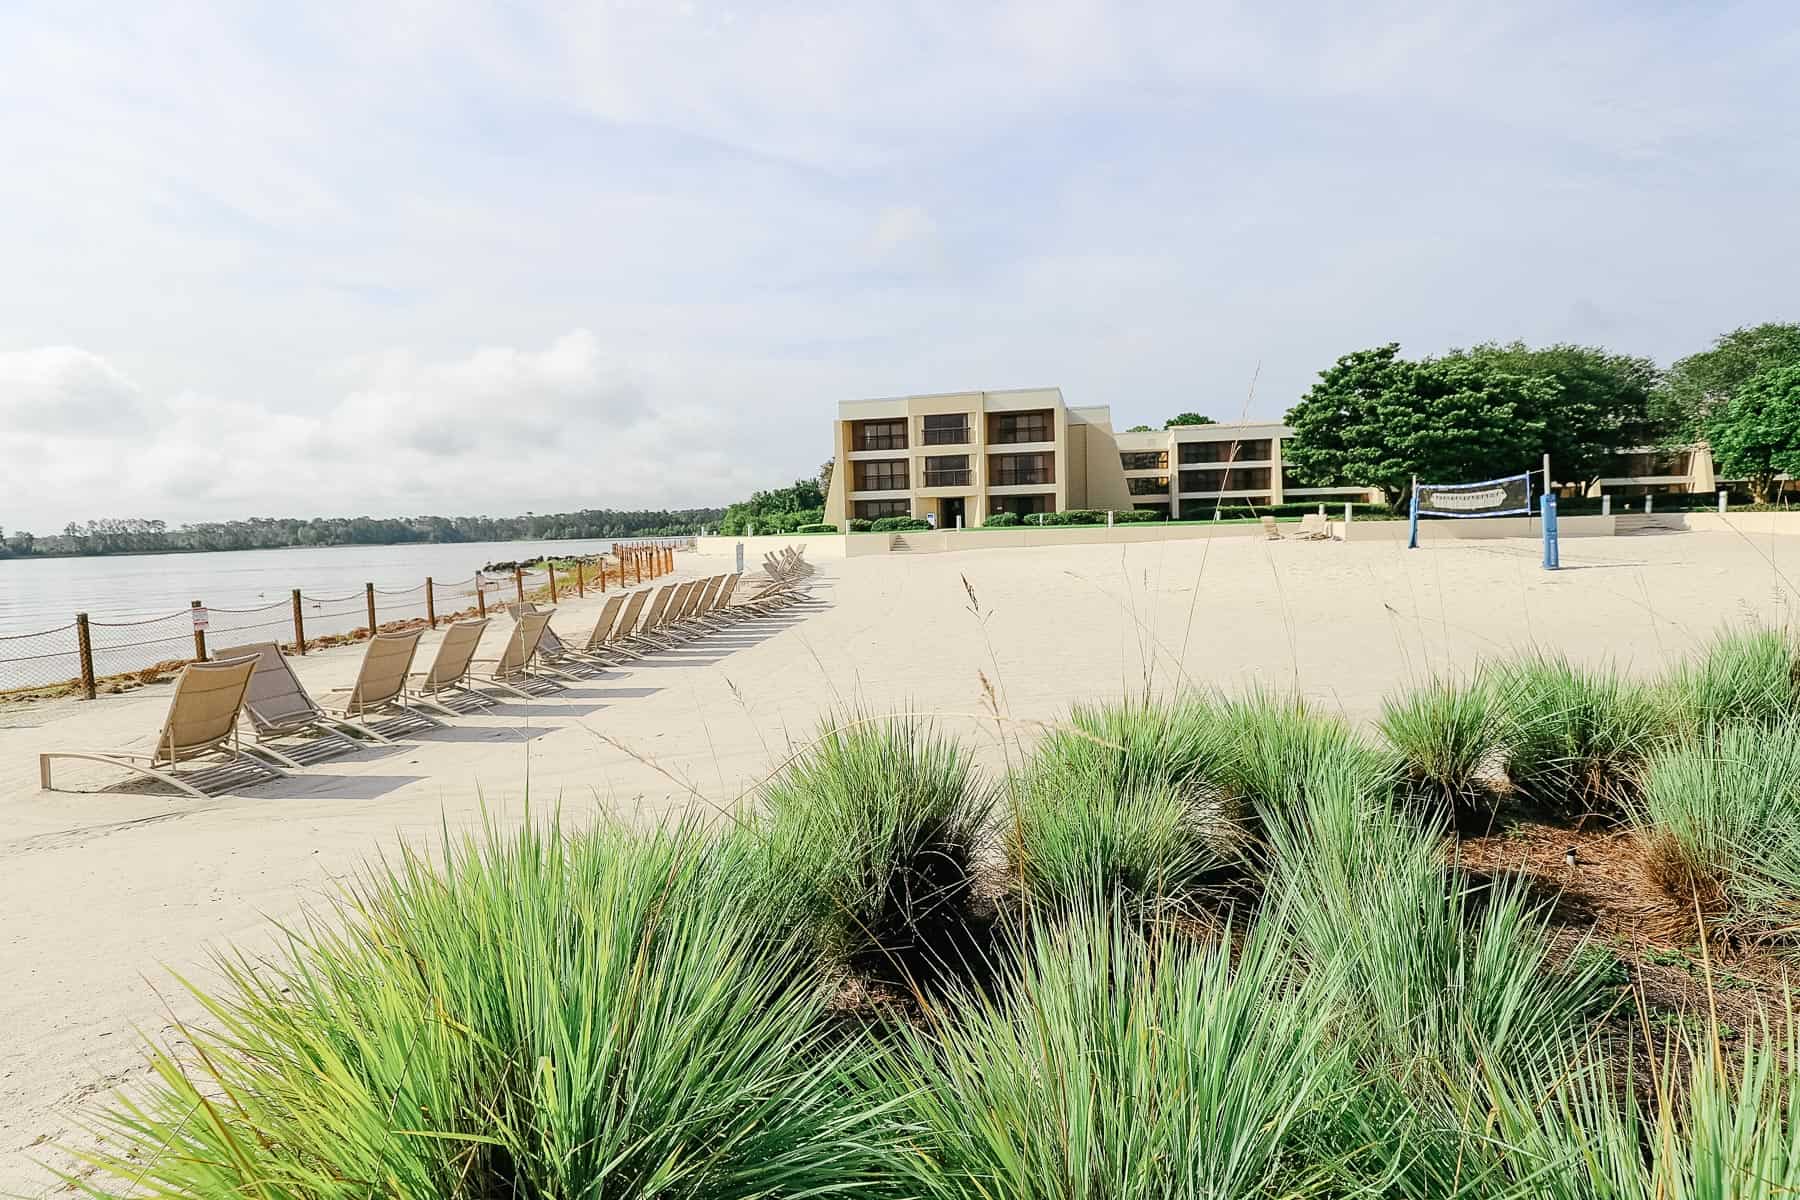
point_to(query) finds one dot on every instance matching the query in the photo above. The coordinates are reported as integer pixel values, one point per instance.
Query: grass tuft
(545, 1017)
(1744, 677)
(1573, 738)
(1446, 734)
(1115, 1066)
(871, 835)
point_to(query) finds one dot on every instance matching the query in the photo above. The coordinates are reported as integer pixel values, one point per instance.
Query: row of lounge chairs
(254, 685)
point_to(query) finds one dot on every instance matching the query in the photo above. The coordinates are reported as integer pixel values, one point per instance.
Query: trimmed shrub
(546, 1017)
(1445, 733)
(1000, 520)
(1073, 516)
(1573, 738)
(1744, 677)
(870, 834)
(899, 524)
(1132, 516)
(819, 528)
(859, 525)
(1116, 1068)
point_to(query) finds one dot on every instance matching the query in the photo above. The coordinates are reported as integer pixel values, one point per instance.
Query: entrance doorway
(951, 512)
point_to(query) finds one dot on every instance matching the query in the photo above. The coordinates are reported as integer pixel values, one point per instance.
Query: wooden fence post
(552, 564)
(199, 633)
(299, 626)
(430, 604)
(519, 583)
(480, 597)
(369, 595)
(84, 650)
(637, 567)
(580, 584)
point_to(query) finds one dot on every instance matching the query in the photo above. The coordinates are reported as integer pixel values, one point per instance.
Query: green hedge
(1131, 516)
(899, 524)
(1000, 520)
(859, 525)
(820, 528)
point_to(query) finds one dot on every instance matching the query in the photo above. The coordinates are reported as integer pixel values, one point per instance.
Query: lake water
(247, 594)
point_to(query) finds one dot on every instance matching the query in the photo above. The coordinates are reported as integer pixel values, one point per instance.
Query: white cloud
(66, 390)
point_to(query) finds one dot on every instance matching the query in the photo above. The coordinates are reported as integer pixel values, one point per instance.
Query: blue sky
(449, 257)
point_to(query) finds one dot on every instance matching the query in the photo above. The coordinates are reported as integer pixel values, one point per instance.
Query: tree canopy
(778, 510)
(1139, 429)
(1375, 419)
(1701, 382)
(1601, 404)
(1188, 418)
(1756, 432)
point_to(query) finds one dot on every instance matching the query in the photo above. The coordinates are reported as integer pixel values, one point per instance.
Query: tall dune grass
(1446, 734)
(1115, 1067)
(1574, 738)
(871, 834)
(1722, 817)
(604, 1016)
(1743, 677)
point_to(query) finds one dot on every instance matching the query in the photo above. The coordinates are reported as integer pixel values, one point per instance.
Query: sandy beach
(103, 895)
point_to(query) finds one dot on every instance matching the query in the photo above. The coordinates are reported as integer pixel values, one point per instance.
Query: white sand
(102, 895)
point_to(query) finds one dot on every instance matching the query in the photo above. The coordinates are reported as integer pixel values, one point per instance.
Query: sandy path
(101, 895)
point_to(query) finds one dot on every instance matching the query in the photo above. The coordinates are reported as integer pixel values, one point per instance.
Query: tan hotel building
(956, 457)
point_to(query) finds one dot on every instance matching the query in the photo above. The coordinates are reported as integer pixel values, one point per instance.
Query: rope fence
(88, 656)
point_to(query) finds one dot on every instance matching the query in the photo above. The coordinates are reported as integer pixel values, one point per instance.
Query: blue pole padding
(1552, 548)
(1412, 536)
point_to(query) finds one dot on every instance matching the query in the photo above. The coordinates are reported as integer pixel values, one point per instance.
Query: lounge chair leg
(275, 754)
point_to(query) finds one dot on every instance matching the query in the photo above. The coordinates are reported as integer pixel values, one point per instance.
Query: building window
(948, 470)
(1258, 450)
(1226, 479)
(881, 435)
(1144, 460)
(1148, 485)
(1007, 429)
(1011, 470)
(1023, 506)
(947, 429)
(874, 510)
(883, 475)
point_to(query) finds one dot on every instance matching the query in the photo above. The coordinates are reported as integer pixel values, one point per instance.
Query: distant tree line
(779, 510)
(1376, 419)
(141, 536)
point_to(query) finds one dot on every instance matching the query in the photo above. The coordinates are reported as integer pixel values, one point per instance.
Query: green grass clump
(1721, 816)
(1278, 745)
(871, 833)
(1113, 1066)
(1122, 801)
(1432, 977)
(1446, 734)
(1744, 677)
(602, 1016)
(1573, 739)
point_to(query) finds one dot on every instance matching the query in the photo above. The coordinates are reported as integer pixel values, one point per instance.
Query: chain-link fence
(85, 653)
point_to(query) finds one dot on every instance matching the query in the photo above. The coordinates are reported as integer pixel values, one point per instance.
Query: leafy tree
(825, 470)
(1375, 420)
(1188, 418)
(1756, 433)
(1601, 406)
(1701, 382)
(779, 510)
(1139, 429)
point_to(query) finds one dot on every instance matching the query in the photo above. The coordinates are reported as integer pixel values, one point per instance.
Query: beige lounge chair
(1314, 529)
(449, 673)
(202, 723)
(553, 655)
(646, 630)
(617, 641)
(515, 670)
(599, 644)
(1271, 531)
(279, 708)
(380, 687)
